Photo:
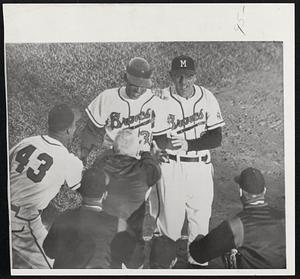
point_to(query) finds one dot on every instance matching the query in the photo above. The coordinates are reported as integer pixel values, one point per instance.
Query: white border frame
(42, 23)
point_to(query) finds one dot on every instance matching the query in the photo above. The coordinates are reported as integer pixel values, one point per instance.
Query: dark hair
(92, 183)
(60, 118)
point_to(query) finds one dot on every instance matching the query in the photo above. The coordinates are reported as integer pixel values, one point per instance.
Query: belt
(188, 159)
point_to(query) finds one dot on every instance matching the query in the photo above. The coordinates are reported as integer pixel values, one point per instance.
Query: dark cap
(163, 252)
(60, 118)
(183, 64)
(138, 72)
(92, 183)
(251, 180)
(126, 249)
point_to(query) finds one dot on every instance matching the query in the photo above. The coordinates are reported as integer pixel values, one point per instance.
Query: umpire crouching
(256, 235)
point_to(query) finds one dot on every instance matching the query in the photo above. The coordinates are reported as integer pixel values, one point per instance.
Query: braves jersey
(114, 111)
(39, 166)
(188, 118)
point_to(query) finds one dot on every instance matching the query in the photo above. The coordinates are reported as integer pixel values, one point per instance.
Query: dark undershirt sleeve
(219, 241)
(90, 135)
(211, 139)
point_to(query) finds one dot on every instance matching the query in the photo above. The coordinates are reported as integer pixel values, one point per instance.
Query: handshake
(159, 154)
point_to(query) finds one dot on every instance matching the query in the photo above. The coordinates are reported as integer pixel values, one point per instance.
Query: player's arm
(151, 166)
(11, 154)
(163, 142)
(214, 123)
(73, 172)
(89, 138)
(211, 139)
(97, 112)
(215, 244)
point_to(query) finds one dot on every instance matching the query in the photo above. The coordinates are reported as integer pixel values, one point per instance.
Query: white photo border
(44, 23)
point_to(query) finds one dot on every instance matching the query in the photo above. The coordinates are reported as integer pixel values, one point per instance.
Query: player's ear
(194, 78)
(104, 195)
(125, 77)
(107, 178)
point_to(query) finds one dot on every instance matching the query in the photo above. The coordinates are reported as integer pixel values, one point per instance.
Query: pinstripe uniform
(113, 110)
(39, 166)
(187, 178)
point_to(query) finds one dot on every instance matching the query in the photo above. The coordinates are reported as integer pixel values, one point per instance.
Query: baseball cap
(183, 64)
(251, 180)
(138, 72)
(92, 183)
(60, 118)
(127, 250)
(163, 252)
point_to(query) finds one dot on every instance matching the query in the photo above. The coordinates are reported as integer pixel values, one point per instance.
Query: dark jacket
(257, 232)
(81, 239)
(130, 179)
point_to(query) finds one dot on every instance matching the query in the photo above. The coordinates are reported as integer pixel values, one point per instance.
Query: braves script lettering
(185, 121)
(116, 123)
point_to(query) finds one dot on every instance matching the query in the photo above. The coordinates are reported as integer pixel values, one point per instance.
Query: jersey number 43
(22, 158)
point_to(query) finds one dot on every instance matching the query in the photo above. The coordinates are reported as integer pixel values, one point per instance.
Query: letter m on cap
(182, 63)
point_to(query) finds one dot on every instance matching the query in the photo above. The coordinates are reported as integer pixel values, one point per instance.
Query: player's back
(39, 166)
(81, 239)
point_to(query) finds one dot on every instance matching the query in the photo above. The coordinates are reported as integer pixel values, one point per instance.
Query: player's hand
(159, 93)
(180, 143)
(159, 154)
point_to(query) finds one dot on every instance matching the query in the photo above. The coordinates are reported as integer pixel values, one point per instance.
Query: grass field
(246, 77)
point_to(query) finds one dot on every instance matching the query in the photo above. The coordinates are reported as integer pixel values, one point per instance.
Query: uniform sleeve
(214, 116)
(11, 154)
(74, 168)
(97, 110)
(90, 135)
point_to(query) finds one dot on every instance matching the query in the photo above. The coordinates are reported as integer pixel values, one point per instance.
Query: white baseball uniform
(39, 166)
(187, 179)
(113, 110)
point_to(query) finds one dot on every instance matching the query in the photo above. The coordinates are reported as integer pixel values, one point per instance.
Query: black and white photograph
(143, 137)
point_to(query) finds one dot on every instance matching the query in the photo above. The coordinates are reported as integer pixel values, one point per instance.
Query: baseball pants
(27, 243)
(185, 188)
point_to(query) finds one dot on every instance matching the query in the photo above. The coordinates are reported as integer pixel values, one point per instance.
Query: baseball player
(39, 166)
(129, 106)
(188, 127)
(254, 238)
